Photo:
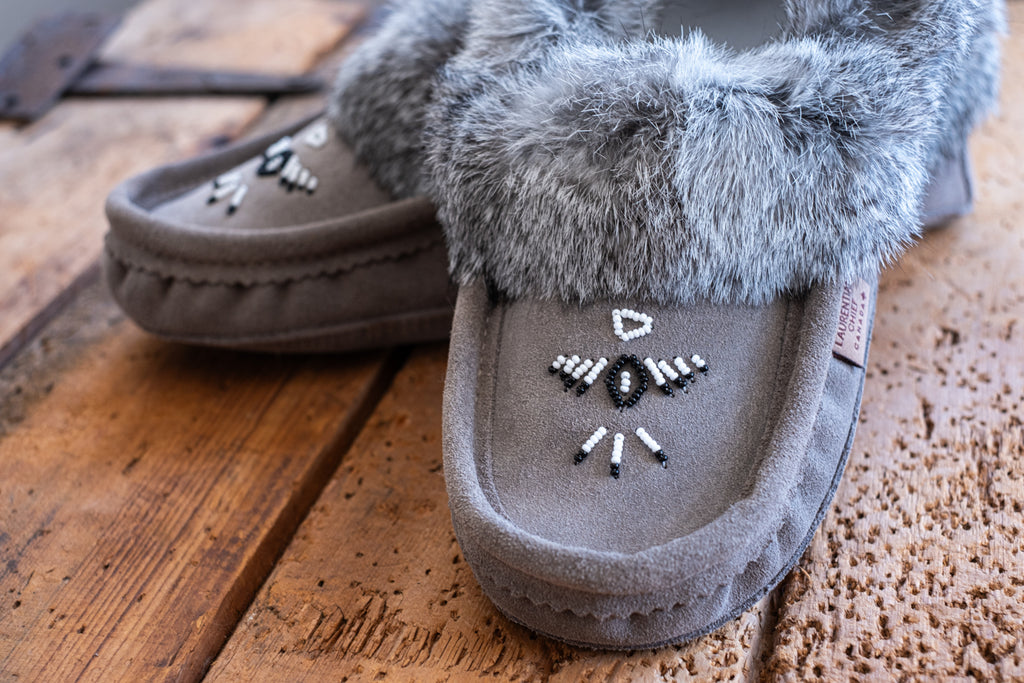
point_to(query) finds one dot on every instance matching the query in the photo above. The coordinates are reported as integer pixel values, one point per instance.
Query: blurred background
(17, 15)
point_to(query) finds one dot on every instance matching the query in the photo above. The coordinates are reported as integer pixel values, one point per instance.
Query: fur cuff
(381, 93)
(568, 162)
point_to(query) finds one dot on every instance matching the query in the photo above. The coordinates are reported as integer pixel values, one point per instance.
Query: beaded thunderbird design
(280, 159)
(627, 381)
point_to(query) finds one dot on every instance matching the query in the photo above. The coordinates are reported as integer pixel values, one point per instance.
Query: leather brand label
(852, 336)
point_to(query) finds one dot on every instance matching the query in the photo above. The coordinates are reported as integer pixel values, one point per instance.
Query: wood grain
(148, 488)
(374, 586)
(918, 570)
(56, 173)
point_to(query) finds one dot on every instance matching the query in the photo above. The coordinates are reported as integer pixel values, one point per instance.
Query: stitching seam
(255, 282)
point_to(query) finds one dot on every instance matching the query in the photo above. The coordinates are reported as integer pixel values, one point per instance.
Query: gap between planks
(80, 353)
(276, 541)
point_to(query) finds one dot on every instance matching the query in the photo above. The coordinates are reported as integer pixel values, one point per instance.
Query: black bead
(579, 457)
(552, 370)
(615, 470)
(265, 167)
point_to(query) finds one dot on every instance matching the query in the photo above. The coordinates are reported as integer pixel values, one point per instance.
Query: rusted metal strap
(58, 57)
(47, 59)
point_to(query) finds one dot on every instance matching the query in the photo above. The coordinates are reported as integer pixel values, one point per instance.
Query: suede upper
(572, 156)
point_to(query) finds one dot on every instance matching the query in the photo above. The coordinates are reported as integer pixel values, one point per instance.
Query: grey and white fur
(574, 156)
(382, 90)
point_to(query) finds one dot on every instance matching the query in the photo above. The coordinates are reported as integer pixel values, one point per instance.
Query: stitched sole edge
(394, 330)
(752, 599)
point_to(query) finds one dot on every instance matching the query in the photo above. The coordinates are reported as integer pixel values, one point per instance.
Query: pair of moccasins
(665, 251)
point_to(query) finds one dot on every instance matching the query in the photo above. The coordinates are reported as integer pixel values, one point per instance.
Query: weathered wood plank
(56, 173)
(374, 584)
(146, 489)
(919, 568)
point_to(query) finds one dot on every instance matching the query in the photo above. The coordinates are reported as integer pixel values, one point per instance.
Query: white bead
(316, 136)
(582, 369)
(229, 178)
(617, 449)
(648, 440)
(667, 370)
(223, 191)
(595, 371)
(594, 439)
(659, 379)
(291, 169)
(281, 145)
(236, 199)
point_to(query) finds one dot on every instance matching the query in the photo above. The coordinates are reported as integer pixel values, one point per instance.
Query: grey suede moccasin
(318, 237)
(667, 253)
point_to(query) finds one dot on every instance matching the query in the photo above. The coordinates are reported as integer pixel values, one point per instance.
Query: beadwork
(228, 185)
(316, 136)
(578, 373)
(653, 445)
(615, 388)
(589, 444)
(699, 362)
(627, 380)
(659, 377)
(589, 378)
(646, 324)
(567, 367)
(616, 455)
(280, 159)
(618, 444)
(686, 374)
(667, 370)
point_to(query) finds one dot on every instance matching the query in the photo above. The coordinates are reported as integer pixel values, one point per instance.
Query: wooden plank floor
(178, 514)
